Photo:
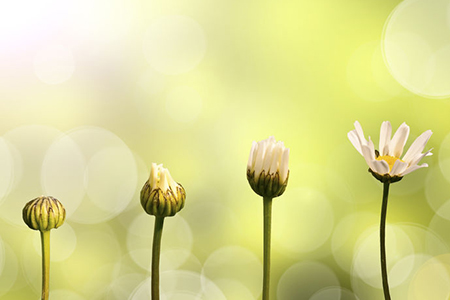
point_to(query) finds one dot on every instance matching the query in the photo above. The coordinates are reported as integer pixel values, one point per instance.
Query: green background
(93, 92)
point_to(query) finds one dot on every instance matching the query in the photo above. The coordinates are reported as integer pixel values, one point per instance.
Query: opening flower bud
(267, 168)
(44, 213)
(161, 196)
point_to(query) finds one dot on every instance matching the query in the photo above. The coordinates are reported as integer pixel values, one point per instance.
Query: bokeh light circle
(110, 175)
(54, 64)
(307, 208)
(63, 241)
(416, 44)
(175, 246)
(123, 286)
(366, 263)
(432, 280)
(174, 44)
(183, 104)
(28, 145)
(346, 234)
(113, 193)
(100, 240)
(302, 280)
(63, 173)
(237, 263)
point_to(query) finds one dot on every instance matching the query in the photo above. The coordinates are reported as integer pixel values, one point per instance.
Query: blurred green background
(93, 92)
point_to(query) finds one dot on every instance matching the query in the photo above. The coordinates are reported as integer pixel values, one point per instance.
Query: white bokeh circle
(174, 44)
(235, 263)
(123, 286)
(109, 176)
(62, 173)
(28, 145)
(416, 44)
(63, 243)
(432, 280)
(345, 236)
(366, 262)
(175, 246)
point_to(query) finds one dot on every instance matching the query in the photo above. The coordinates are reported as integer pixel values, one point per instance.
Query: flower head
(161, 196)
(386, 164)
(267, 167)
(44, 213)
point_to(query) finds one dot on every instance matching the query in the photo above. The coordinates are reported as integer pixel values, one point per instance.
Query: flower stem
(159, 222)
(45, 242)
(384, 275)
(267, 234)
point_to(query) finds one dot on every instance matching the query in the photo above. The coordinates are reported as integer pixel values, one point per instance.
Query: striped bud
(161, 196)
(44, 213)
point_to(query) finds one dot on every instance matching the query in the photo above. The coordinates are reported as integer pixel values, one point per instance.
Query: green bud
(267, 185)
(44, 213)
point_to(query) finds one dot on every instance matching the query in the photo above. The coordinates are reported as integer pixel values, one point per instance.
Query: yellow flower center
(389, 159)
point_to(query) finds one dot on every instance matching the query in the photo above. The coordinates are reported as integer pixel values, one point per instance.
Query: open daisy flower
(386, 164)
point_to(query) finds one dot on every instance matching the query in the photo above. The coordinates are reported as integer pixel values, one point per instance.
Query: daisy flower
(385, 163)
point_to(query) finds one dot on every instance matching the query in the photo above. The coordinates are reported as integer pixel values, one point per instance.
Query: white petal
(417, 146)
(154, 175)
(369, 156)
(380, 167)
(360, 133)
(164, 182)
(371, 147)
(398, 168)
(398, 141)
(259, 160)
(251, 160)
(353, 137)
(276, 158)
(385, 137)
(284, 166)
(413, 168)
(268, 157)
(415, 160)
(171, 183)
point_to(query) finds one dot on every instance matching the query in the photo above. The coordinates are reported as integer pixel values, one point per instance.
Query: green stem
(267, 233)
(45, 242)
(384, 275)
(159, 222)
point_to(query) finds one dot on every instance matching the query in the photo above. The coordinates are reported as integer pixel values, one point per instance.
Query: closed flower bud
(267, 168)
(161, 196)
(44, 213)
